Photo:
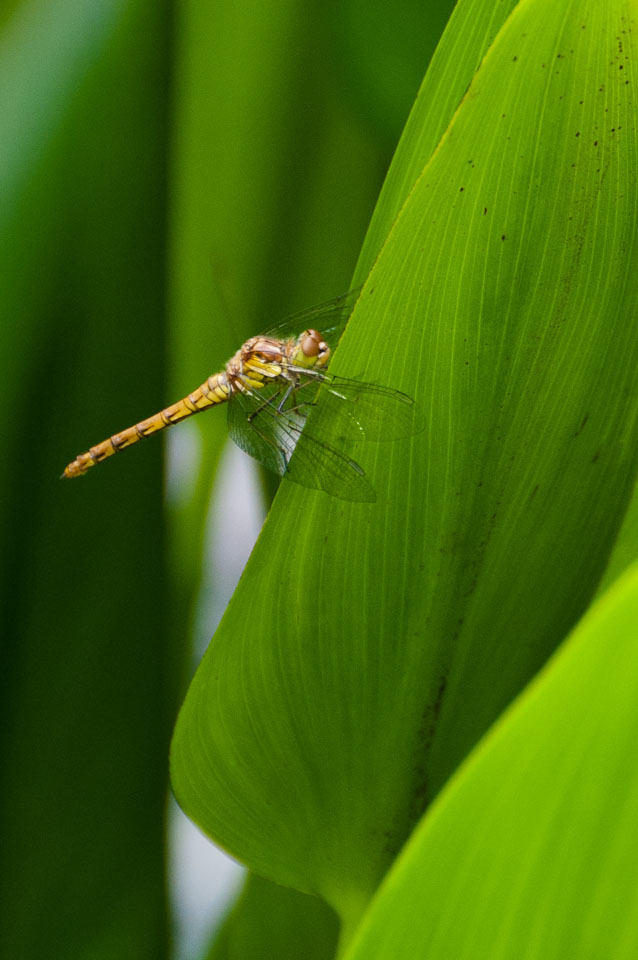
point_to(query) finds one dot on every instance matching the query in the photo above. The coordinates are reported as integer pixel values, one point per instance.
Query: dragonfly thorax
(265, 349)
(265, 358)
(259, 361)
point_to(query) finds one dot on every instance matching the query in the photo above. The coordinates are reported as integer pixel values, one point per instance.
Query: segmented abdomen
(213, 391)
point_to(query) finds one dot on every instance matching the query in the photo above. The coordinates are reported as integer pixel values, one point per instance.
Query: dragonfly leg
(297, 407)
(260, 409)
(268, 404)
(282, 402)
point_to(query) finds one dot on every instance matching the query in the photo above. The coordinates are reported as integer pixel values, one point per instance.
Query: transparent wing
(354, 410)
(275, 435)
(256, 426)
(329, 318)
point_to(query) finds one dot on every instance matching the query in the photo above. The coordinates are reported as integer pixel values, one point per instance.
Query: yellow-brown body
(259, 361)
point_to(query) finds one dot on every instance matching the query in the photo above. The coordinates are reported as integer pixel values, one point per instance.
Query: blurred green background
(173, 178)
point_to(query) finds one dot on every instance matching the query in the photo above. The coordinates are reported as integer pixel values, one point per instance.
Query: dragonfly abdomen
(213, 391)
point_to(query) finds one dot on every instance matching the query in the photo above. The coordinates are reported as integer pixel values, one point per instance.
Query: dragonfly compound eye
(313, 345)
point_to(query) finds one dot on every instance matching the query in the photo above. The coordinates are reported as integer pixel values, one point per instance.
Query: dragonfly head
(311, 350)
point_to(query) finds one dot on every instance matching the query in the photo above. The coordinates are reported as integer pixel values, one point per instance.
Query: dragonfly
(271, 385)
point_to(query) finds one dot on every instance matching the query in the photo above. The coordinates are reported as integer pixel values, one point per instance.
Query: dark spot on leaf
(582, 424)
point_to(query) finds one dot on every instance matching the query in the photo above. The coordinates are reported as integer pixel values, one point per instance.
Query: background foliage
(175, 179)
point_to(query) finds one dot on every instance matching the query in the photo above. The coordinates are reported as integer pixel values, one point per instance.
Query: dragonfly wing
(329, 318)
(256, 434)
(277, 439)
(319, 465)
(354, 410)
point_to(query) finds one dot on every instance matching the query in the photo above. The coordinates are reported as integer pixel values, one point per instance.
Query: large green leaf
(369, 646)
(531, 850)
(472, 28)
(271, 923)
(626, 547)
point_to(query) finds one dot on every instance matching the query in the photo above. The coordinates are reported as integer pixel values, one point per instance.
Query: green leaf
(470, 32)
(531, 850)
(626, 547)
(273, 923)
(370, 646)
